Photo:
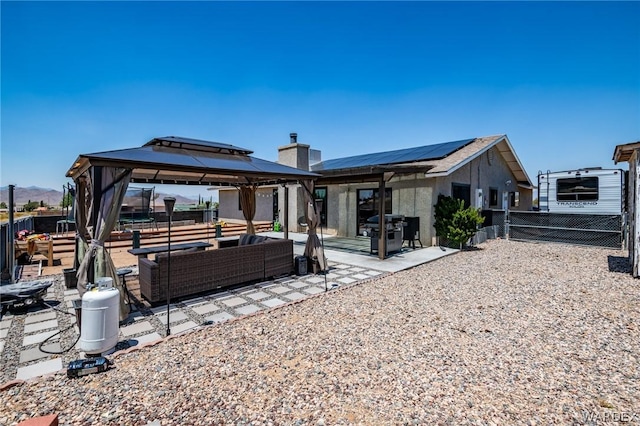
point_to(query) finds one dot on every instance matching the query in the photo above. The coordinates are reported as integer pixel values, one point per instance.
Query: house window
(461, 192)
(577, 189)
(514, 199)
(368, 200)
(320, 194)
(493, 197)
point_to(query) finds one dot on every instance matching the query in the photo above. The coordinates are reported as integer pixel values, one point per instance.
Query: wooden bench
(43, 247)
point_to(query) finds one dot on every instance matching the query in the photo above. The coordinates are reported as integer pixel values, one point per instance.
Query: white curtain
(313, 249)
(108, 185)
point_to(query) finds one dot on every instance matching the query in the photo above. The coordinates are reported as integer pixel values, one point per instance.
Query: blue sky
(561, 79)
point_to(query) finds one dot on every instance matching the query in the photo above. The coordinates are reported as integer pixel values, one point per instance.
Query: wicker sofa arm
(148, 278)
(278, 257)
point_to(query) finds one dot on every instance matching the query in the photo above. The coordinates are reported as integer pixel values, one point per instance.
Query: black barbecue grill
(393, 224)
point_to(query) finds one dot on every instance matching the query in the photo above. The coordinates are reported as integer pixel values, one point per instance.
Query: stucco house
(485, 172)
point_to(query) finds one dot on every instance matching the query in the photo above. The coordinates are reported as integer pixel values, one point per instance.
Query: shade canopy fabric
(313, 248)
(102, 180)
(248, 204)
(109, 185)
(184, 161)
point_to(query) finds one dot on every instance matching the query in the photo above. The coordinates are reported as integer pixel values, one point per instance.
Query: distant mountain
(22, 196)
(53, 198)
(180, 199)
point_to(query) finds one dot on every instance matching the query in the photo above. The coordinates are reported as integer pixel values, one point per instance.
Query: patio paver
(222, 316)
(145, 338)
(313, 290)
(135, 328)
(30, 319)
(258, 295)
(206, 308)
(272, 303)
(181, 328)
(234, 301)
(173, 317)
(35, 353)
(39, 369)
(249, 309)
(38, 326)
(295, 296)
(37, 338)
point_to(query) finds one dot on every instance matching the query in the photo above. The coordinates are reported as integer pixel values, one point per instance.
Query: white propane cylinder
(100, 318)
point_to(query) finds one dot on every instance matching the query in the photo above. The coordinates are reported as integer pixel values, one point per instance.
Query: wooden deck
(120, 242)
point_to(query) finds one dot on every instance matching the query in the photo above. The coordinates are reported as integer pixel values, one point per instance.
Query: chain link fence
(581, 229)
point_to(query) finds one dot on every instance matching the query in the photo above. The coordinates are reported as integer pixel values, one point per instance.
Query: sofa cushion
(246, 239)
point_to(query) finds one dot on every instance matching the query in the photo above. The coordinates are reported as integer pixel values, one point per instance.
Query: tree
(445, 208)
(67, 201)
(464, 225)
(31, 206)
(455, 223)
(3, 205)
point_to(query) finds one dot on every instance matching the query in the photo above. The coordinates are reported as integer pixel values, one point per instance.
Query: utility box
(136, 239)
(479, 199)
(301, 265)
(70, 277)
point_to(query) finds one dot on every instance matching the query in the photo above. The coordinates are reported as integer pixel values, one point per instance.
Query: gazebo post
(382, 226)
(286, 212)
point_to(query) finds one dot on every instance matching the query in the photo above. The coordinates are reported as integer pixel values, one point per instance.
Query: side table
(122, 273)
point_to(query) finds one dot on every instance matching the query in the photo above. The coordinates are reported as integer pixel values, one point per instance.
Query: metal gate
(581, 229)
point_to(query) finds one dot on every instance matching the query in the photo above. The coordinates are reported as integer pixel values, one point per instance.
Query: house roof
(407, 155)
(432, 160)
(625, 151)
(178, 160)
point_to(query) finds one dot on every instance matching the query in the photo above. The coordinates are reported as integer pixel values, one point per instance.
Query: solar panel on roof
(407, 155)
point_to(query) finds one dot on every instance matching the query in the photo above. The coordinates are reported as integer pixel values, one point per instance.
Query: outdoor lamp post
(169, 203)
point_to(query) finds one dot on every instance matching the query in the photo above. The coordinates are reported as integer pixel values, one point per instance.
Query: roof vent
(294, 137)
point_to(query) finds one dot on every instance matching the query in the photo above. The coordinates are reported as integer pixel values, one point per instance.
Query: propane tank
(100, 318)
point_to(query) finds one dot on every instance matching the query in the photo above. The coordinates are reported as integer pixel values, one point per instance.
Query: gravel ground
(510, 333)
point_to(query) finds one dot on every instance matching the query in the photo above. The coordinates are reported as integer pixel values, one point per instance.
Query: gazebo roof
(184, 161)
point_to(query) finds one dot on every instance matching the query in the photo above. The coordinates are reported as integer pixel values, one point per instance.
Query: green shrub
(31, 206)
(445, 208)
(455, 223)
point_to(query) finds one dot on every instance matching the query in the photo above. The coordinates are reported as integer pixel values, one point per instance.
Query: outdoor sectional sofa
(193, 272)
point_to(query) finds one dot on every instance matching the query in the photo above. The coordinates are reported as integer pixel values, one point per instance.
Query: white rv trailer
(585, 191)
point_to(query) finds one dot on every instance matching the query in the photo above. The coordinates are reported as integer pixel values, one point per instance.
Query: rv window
(577, 189)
